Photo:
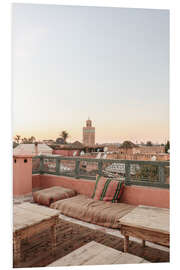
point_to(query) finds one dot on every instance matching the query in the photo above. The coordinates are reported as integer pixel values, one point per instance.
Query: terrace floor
(72, 234)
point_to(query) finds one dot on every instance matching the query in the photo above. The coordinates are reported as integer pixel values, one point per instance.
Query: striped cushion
(107, 189)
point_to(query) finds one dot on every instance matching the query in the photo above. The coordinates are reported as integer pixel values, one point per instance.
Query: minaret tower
(89, 133)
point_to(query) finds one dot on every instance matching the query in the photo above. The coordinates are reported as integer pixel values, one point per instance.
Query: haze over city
(111, 64)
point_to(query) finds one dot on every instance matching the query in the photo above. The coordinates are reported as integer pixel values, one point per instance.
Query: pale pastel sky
(71, 62)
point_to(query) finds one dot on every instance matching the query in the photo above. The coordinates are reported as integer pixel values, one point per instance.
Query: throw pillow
(107, 189)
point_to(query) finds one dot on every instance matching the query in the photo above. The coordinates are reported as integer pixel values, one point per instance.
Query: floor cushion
(97, 212)
(107, 189)
(50, 195)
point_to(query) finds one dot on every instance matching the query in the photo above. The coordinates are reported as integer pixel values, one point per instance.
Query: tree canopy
(17, 138)
(60, 140)
(149, 143)
(64, 135)
(167, 146)
(127, 144)
(31, 139)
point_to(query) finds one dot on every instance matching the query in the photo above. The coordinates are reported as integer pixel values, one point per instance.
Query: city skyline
(69, 139)
(111, 64)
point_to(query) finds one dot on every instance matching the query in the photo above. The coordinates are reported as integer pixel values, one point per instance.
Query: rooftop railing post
(161, 174)
(41, 167)
(127, 172)
(77, 169)
(100, 163)
(57, 166)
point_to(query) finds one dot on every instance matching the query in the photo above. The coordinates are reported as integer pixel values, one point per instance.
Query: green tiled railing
(134, 172)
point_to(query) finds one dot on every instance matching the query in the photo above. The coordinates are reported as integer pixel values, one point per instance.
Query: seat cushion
(108, 189)
(50, 195)
(97, 212)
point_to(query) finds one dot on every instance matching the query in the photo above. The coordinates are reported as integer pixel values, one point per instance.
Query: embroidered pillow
(107, 189)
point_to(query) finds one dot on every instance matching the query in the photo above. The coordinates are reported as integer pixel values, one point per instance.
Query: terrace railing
(133, 172)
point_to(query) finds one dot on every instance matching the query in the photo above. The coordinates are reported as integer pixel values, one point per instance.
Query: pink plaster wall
(36, 181)
(22, 175)
(82, 186)
(135, 195)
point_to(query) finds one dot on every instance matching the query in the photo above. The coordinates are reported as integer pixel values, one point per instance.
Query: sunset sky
(109, 64)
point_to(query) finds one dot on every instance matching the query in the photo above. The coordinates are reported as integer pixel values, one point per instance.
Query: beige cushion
(50, 195)
(97, 212)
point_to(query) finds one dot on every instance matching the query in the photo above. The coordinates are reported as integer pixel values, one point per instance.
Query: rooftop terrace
(146, 183)
(73, 233)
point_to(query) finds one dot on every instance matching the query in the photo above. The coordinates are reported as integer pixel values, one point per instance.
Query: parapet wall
(135, 195)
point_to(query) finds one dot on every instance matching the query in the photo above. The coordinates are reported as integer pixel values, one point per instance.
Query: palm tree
(24, 140)
(32, 139)
(28, 140)
(167, 146)
(64, 135)
(17, 138)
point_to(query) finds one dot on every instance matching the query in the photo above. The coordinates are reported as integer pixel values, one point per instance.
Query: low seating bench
(147, 223)
(82, 207)
(89, 210)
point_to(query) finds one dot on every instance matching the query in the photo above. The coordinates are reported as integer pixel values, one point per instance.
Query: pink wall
(82, 186)
(22, 175)
(36, 181)
(135, 195)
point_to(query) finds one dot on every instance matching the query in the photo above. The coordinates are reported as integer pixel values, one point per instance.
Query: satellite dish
(105, 149)
(105, 155)
(98, 155)
(153, 158)
(82, 153)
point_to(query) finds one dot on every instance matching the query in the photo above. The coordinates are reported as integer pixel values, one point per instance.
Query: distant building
(48, 141)
(154, 149)
(77, 145)
(72, 149)
(89, 133)
(32, 149)
(130, 151)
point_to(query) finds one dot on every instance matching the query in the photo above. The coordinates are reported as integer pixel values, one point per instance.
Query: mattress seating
(53, 194)
(103, 208)
(93, 211)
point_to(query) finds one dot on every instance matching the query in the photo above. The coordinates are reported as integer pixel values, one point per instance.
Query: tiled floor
(71, 236)
(87, 226)
(110, 231)
(21, 199)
